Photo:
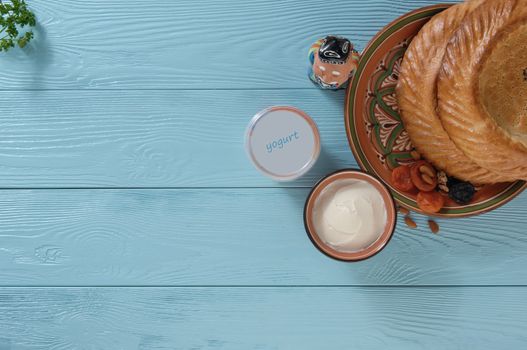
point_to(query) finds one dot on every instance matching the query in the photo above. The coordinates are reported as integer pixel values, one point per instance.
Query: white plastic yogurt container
(282, 142)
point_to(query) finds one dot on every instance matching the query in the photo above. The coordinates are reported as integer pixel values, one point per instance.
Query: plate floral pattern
(383, 123)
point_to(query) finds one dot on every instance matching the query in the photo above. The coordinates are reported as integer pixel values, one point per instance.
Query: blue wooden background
(130, 217)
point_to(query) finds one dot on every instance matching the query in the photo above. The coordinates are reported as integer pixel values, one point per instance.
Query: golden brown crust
(416, 93)
(461, 113)
(502, 82)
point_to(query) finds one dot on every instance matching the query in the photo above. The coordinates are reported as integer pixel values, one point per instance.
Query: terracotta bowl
(374, 248)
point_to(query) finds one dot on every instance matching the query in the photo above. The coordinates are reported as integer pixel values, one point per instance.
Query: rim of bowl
(376, 246)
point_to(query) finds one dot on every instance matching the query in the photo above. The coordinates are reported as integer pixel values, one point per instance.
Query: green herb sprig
(15, 15)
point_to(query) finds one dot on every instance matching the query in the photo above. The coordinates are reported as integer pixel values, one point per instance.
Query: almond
(424, 169)
(434, 227)
(404, 211)
(443, 188)
(415, 155)
(409, 222)
(427, 179)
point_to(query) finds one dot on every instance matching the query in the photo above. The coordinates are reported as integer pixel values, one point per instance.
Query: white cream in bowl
(350, 215)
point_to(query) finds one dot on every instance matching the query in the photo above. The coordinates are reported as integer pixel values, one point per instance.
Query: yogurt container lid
(282, 142)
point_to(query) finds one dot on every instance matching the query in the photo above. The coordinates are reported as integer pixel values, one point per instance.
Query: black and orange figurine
(333, 61)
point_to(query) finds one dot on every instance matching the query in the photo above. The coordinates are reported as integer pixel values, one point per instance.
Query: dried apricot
(402, 179)
(430, 202)
(417, 177)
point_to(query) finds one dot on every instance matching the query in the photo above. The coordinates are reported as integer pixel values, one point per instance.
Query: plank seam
(263, 286)
(163, 89)
(156, 188)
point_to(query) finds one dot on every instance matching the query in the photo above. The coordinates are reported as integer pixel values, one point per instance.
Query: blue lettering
(281, 142)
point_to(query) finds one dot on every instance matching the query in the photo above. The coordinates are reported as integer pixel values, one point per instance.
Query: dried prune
(461, 192)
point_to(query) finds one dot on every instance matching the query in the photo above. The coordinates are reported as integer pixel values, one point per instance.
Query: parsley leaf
(13, 16)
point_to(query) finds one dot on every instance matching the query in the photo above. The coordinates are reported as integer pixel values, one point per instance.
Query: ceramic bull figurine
(333, 61)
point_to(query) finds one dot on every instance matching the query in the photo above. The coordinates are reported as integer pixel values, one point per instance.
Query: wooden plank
(263, 318)
(115, 44)
(151, 138)
(234, 237)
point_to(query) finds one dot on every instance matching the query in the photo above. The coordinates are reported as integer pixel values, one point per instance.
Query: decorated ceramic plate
(375, 131)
